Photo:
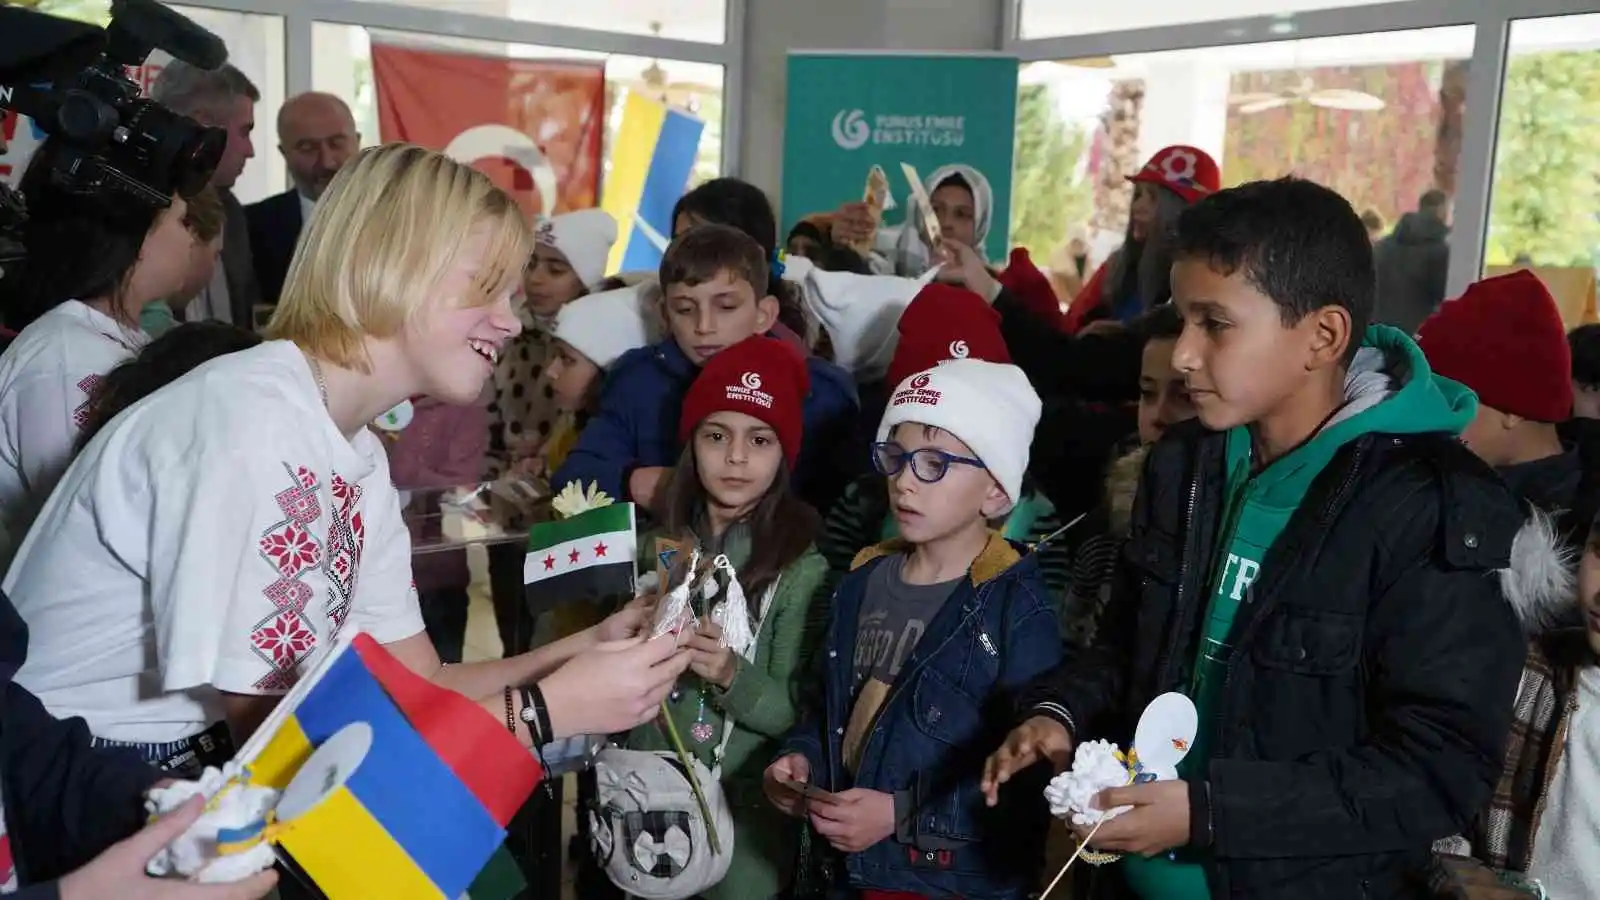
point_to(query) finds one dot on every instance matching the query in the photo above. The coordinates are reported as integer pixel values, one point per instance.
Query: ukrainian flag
(650, 165)
(428, 805)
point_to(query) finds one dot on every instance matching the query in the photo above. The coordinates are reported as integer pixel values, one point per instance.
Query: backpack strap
(727, 718)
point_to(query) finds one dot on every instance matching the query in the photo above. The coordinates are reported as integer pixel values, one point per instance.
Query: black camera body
(112, 139)
(72, 80)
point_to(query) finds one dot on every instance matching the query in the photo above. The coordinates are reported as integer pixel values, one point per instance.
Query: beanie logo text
(918, 392)
(748, 390)
(546, 234)
(958, 349)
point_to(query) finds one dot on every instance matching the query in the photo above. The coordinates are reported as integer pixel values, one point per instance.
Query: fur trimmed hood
(1122, 482)
(1542, 581)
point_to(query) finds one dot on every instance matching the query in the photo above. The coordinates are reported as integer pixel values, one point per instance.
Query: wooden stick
(1074, 858)
(694, 783)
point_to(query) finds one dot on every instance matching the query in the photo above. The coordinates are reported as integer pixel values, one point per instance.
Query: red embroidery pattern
(346, 536)
(284, 638)
(87, 384)
(287, 636)
(291, 548)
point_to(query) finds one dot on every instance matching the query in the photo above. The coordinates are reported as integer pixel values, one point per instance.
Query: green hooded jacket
(1389, 389)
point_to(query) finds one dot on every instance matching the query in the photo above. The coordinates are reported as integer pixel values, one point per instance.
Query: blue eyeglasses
(929, 464)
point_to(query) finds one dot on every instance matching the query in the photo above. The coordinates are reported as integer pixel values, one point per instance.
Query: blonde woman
(208, 543)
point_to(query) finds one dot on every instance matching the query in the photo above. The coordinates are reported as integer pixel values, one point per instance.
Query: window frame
(1486, 75)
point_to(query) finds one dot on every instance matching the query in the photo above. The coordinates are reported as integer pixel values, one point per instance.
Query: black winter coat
(1366, 707)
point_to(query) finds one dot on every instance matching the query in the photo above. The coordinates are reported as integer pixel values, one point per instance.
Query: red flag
(494, 766)
(534, 126)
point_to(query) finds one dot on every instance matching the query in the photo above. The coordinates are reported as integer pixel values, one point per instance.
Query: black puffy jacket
(1368, 699)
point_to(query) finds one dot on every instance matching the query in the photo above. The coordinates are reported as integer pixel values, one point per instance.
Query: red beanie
(759, 376)
(1504, 339)
(946, 322)
(1031, 286)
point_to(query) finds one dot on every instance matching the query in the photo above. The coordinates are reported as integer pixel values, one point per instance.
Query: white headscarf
(911, 256)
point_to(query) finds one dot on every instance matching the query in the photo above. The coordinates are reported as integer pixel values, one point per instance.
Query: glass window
(1376, 117)
(255, 45)
(1545, 189)
(343, 66)
(1056, 18)
(688, 20)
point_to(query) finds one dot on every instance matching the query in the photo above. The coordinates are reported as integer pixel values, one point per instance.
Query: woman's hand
(629, 621)
(612, 687)
(120, 870)
(709, 659)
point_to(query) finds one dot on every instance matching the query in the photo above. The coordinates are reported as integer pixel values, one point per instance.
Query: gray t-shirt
(893, 618)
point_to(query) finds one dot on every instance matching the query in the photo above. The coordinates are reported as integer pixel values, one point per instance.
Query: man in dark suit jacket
(226, 99)
(316, 135)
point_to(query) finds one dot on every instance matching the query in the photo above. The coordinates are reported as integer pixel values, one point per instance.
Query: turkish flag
(533, 126)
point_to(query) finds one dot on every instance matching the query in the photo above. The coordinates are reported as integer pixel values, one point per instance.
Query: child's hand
(1158, 822)
(628, 621)
(1039, 738)
(859, 819)
(964, 266)
(644, 485)
(711, 661)
(794, 767)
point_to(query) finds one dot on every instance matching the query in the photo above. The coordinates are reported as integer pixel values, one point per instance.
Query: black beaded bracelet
(511, 717)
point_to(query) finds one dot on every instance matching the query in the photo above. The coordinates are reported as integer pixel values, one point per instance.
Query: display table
(489, 513)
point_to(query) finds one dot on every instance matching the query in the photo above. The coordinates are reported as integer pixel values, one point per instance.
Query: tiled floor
(483, 642)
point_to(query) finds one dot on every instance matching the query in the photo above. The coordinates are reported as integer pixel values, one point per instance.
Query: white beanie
(860, 312)
(603, 326)
(584, 237)
(988, 406)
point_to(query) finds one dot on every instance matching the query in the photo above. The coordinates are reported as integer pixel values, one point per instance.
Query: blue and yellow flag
(427, 806)
(650, 165)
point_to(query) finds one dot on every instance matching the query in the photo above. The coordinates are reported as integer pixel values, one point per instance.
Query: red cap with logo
(761, 377)
(1187, 171)
(942, 323)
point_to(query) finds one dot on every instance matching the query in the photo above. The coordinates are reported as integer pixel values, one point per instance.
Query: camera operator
(226, 99)
(93, 263)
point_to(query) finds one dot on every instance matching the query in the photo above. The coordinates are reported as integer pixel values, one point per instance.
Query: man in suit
(316, 135)
(226, 99)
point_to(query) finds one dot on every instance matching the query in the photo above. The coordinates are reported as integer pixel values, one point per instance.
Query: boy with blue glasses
(930, 635)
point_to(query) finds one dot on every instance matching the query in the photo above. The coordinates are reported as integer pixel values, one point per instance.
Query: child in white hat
(591, 333)
(951, 614)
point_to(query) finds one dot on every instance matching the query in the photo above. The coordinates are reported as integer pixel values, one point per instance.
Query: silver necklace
(316, 373)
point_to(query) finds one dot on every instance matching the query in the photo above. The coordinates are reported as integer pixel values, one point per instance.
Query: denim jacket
(946, 711)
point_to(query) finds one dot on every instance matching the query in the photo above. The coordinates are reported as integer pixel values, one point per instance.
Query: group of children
(1335, 539)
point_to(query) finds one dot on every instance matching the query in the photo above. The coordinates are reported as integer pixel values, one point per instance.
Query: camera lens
(174, 153)
(199, 152)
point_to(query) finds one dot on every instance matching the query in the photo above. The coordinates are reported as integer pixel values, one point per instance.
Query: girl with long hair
(729, 497)
(1134, 278)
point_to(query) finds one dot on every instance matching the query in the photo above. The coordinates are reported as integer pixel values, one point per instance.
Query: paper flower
(233, 805)
(574, 499)
(1097, 765)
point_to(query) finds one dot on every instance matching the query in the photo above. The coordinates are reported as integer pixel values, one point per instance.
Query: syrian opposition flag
(590, 556)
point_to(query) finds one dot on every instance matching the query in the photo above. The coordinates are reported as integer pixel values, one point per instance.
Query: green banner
(847, 112)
